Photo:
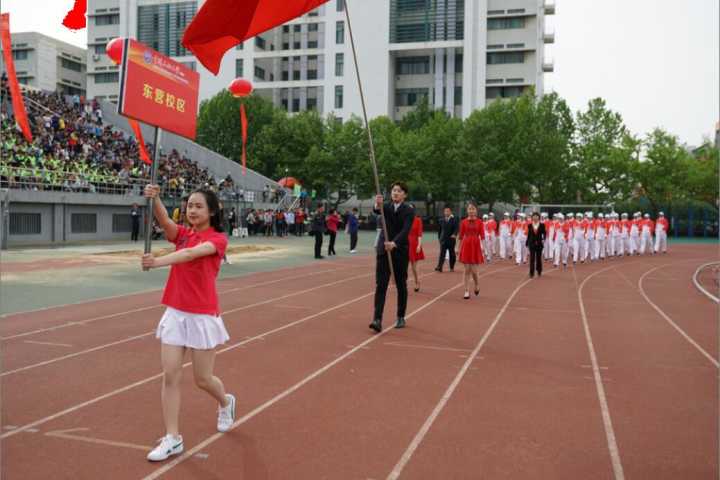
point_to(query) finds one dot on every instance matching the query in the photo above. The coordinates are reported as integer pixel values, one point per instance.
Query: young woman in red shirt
(415, 250)
(192, 320)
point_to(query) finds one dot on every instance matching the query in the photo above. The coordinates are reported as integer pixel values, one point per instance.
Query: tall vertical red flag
(17, 100)
(222, 24)
(141, 142)
(243, 125)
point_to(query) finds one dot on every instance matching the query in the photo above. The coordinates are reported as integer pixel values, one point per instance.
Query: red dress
(415, 232)
(471, 232)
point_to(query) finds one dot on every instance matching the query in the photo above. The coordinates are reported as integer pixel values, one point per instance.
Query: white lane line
(146, 334)
(67, 435)
(700, 287)
(150, 307)
(213, 438)
(669, 320)
(428, 347)
(425, 428)
(34, 342)
(604, 409)
(29, 426)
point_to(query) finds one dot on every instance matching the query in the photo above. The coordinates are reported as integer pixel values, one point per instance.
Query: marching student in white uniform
(519, 237)
(570, 221)
(635, 234)
(589, 237)
(486, 242)
(600, 237)
(578, 238)
(506, 227)
(491, 231)
(661, 231)
(646, 231)
(561, 239)
(624, 243)
(549, 230)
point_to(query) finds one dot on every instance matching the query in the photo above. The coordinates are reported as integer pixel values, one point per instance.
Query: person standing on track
(135, 219)
(661, 231)
(491, 228)
(635, 234)
(506, 228)
(192, 320)
(624, 228)
(519, 235)
(472, 235)
(447, 235)
(647, 227)
(317, 228)
(600, 226)
(536, 243)
(561, 240)
(352, 228)
(415, 251)
(399, 219)
(332, 221)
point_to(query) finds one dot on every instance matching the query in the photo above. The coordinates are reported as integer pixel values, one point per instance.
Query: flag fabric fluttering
(222, 24)
(244, 126)
(18, 103)
(141, 142)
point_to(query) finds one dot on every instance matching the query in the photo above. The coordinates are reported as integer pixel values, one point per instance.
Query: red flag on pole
(243, 124)
(17, 100)
(141, 142)
(222, 24)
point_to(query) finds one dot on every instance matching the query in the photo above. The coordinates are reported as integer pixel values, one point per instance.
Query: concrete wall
(56, 210)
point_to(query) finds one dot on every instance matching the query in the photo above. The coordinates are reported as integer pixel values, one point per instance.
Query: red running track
(500, 386)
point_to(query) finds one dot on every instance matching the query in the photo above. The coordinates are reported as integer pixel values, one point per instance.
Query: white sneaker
(226, 415)
(168, 446)
(353, 251)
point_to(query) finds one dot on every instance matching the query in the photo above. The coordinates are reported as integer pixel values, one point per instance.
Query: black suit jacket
(448, 228)
(535, 240)
(399, 224)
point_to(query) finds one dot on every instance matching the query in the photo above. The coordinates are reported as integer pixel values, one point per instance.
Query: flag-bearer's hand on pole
(148, 261)
(152, 191)
(378, 200)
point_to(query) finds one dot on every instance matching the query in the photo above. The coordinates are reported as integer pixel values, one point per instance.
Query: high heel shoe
(477, 292)
(466, 296)
(417, 289)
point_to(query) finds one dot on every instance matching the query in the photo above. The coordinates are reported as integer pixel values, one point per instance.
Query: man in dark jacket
(399, 218)
(535, 243)
(447, 235)
(317, 228)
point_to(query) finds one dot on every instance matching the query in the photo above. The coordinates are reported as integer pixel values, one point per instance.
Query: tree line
(522, 150)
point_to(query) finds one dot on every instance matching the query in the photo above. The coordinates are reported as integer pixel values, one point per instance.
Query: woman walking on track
(332, 221)
(192, 320)
(415, 251)
(472, 233)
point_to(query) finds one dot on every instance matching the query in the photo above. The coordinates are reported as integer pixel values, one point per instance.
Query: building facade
(48, 64)
(458, 54)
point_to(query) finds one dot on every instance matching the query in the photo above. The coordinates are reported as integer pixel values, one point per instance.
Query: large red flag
(17, 100)
(222, 24)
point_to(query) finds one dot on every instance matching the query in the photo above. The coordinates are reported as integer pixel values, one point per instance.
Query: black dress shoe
(320, 257)
(400, 322)
(438, 269)
(376, 325)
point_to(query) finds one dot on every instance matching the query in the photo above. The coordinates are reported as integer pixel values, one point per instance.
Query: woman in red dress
(415, 251)
(472, 233)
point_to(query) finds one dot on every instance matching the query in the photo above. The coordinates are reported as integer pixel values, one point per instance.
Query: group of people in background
(329, 225)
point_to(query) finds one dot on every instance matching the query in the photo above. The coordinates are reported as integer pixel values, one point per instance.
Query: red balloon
(114, 49)
(240, 87)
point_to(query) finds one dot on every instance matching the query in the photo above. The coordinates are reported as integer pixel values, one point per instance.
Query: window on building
(109, 77)
(340, 6)
(162, 26)
(296, 45)
(286, 28)
(260, 43)
(312, 103)
(259, 73)
(503, 92)
(339, 64)
(99, 49)
(296, 74)
(426, 20)
(412, 65)
(514, 80)
(239, 67)
(312, 27)
(20, 54)
(239, 47)
(458, 96)
(496, 46)
(506, 23)
(312, 74)
(314, 13)
(296, 105)
(458, 63)
(83, 223)
(70, 65)
(515, 45)
(107, 19)
(338, 96)
(312, 44)
(285, 76)
(497, 58)
(25, 223)
(409, 97)
(297, 28)
(286, 46)
(284, 103)
(491, 81)
(340, 32)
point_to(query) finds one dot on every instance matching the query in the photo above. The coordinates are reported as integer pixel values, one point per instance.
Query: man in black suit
(399, 218)
(535, 243)
(317, 228)
(447, 235)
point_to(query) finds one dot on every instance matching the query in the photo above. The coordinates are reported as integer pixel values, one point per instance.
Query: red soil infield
(324, 398)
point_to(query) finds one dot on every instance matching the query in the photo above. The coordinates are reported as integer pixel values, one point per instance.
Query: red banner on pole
(141, 142)
(157, 90)
(243, 124)
(17, 100)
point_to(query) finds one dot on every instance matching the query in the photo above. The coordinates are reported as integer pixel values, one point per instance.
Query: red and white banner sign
(157, 90)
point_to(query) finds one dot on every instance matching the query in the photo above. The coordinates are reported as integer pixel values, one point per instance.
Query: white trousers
(489, 246)
(634, 243)
(661, 241)
(645, 242)
(578, 248)
(505, 246)
(560, 250)
(520, 252)
(600, 246)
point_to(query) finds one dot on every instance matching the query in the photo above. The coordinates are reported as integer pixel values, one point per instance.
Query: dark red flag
(222, 24)
(141, 142)
(17, 100)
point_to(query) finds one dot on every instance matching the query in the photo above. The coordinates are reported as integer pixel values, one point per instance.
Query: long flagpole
(369, 133)
(149, 214)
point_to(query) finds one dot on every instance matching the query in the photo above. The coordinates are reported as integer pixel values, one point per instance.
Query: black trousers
(331, 246)
(318, 244)
(353, 240)
(135, 231)
(536, 260)
(447, 246)
(382, 280)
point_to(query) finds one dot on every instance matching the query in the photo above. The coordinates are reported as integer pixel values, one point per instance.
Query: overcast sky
(654, 61)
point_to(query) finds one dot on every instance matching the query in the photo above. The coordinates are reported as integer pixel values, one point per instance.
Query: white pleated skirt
(192, 330)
